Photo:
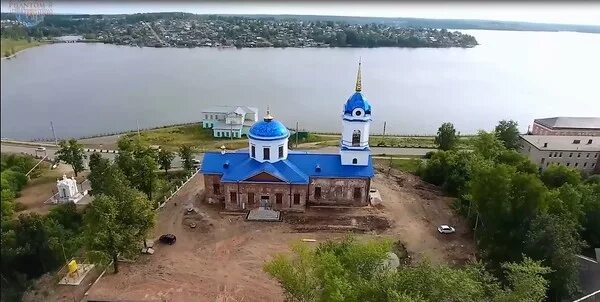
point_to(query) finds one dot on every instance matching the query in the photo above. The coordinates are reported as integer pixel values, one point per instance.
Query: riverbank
(9, 48)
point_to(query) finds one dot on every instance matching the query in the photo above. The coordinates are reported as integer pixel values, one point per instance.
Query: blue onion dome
(268, 129)
(357, 100)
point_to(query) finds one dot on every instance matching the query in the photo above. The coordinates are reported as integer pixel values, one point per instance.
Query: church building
(268, 175)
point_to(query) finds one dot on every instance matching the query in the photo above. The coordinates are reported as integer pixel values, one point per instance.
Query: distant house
(569, 126)
(227, 121)
(579, 152)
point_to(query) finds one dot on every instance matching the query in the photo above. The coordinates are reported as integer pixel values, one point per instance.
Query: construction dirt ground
(221, 259)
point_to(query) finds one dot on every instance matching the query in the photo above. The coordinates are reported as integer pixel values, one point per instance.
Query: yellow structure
(72, 266)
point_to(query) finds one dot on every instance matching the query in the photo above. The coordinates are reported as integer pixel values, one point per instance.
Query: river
(88, 89)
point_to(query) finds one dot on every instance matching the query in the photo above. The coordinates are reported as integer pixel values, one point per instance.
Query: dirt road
(418, 208)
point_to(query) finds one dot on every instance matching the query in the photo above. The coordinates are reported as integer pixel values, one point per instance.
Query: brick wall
(336, 191)
(212, 191)
(267, 191)
(539, 129)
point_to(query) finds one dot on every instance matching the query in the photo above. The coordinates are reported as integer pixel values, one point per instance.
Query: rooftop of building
(296, 169)
(564, 122)
(589, 275)
(564, 143)
(230, 109)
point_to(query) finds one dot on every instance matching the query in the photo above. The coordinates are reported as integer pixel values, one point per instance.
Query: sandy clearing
(221, 260)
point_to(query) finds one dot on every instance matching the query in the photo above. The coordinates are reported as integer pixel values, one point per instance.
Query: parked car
(40, 148)
(168, 239)
(445, 229)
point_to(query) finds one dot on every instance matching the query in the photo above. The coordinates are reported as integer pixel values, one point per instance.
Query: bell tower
(356, 121)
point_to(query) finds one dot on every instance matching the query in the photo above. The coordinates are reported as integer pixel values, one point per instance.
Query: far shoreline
(142, 130)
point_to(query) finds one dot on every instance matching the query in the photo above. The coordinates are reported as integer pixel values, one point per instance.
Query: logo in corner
(30, 12)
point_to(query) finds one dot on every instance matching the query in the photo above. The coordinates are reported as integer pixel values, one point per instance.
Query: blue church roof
(357, 100)
(296, 169)
(268, 129)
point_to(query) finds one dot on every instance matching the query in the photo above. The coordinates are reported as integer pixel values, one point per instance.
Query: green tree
(116, 225)
(508, 133)
(63, 225)
(32, 253)
(33, 245)
(138, 163)
(566, 202)
(185, 152)
(555, 241)
(526, 280)
(591, 209)
(126, 163)
(106, 178)
(17, 162)
(145, 175)
(517, 160)
(95, 159)
(13, 180)
(354, 271)
(555, 176)
(7, 203)
(446, 137)
(594, 179)
(72, 153)
(449, 169)
(165, 158)
(506, 202)
(487, 145)
(67, 215)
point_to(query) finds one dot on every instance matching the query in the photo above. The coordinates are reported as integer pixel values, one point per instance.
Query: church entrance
(264, 202)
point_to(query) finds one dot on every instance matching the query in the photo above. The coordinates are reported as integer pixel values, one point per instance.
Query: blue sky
(549, 12)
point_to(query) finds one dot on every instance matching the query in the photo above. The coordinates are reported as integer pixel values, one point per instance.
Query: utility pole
(137, 122)
(296, 135)
(64, 254)
(384, 124)
(53, 133)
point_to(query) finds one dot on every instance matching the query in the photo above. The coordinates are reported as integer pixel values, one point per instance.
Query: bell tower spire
(358, 80)
(356, 122)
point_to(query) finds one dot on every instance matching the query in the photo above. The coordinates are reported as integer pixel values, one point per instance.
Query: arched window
(356, 138)
(355, 161)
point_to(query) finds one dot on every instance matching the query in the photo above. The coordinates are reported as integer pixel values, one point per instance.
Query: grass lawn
(313, 138)
(193, 135)
(406, 165)
(10, 46)
(464, 142)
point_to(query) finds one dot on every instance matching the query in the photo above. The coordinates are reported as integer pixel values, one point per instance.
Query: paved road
(380, 150)
(50, 151)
